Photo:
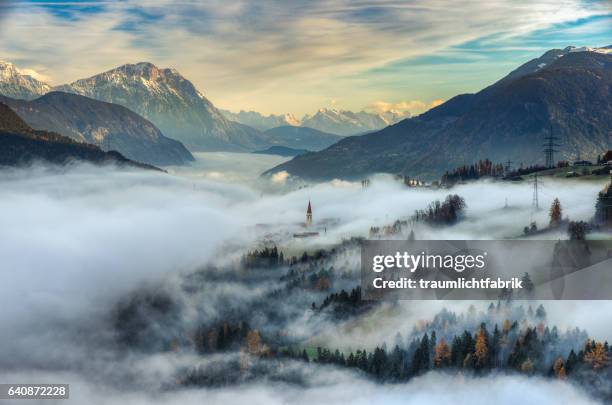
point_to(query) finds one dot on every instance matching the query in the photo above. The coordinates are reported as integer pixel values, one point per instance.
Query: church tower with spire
(309, 214)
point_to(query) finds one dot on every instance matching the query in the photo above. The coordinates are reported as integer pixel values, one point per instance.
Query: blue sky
(278, 56)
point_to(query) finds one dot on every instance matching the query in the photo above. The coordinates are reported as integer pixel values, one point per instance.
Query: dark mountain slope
(87, 120)
(508, 120)
(21, 145)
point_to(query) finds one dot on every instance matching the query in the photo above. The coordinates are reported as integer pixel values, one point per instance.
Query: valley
(373, 202)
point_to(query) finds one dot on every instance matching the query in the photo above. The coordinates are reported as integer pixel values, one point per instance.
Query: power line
(549, 148)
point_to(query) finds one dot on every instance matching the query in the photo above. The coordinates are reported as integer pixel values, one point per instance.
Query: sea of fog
(74, 241)
(228, 167)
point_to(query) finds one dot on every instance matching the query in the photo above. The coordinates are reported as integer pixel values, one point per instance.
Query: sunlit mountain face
(190, 192)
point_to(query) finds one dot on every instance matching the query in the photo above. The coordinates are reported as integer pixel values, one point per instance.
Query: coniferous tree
(540, 313)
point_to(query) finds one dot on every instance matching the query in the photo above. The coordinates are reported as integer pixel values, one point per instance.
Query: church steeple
(309, 214)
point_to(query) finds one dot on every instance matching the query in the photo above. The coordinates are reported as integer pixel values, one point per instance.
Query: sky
(278, 56)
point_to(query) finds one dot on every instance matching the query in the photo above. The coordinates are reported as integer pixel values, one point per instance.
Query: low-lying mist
(76, 242)
(336, 387)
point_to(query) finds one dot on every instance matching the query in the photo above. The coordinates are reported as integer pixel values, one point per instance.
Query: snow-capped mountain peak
(343, 122)
(330, 120)
(17, 84)
(604, 50)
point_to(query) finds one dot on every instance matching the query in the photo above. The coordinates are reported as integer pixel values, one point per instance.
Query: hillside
(281, 151)
(301, 137)
(21, 145)
(570, 95)
(113, 126)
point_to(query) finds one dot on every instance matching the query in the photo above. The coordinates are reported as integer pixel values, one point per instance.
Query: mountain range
(566, 93)
(166, 100)
(301, 137)
(22, 145)
(108, 125)
(172, 103)
(259, 121)
(337, 122)
(281, 151)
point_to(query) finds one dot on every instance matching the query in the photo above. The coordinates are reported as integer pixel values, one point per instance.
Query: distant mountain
(16, 84)
(331, 121)
(568, 92)
(172, 103)
(259, 121)
(281, 151)
(21, 145)
(342, 122)
(109, 125)
(301, 137)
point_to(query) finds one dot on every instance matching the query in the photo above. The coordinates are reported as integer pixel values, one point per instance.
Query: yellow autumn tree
(597, 356)
(442, 354)
(555, 213)
(559, 369)
(253, 342)
(506, 326)
(527, 366)
(481, 350)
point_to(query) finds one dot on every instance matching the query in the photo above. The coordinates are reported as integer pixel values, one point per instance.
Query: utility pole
(508, 167)
(549, 148)
(536, 201)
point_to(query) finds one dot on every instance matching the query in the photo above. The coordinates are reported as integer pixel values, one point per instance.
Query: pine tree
(432, 348)
(540, 313)
(420, 360)
(527, 283)
(495, 346)
(572, 362)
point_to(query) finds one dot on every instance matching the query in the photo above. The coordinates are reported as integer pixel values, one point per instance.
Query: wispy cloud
(411, 106)
(260, 55)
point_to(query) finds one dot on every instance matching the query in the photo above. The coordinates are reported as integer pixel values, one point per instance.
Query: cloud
(237, 53)
(280, 177)
(412, 106)
(33, 73)
(331, 386)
